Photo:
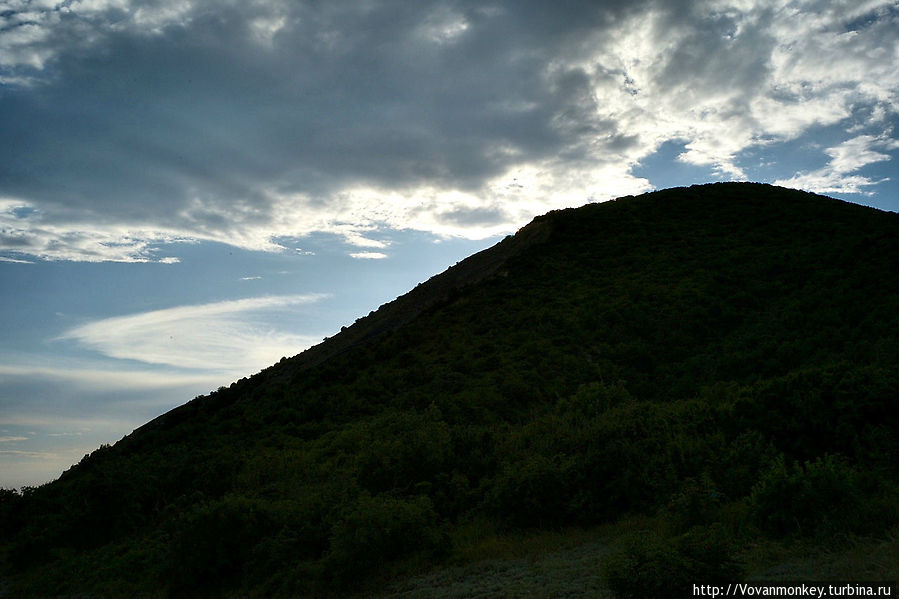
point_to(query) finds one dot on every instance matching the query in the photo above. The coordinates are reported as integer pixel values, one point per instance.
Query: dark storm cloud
(216, 120)
(136, 123)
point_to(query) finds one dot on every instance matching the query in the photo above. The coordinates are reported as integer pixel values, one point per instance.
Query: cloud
(40, 455)
(40, 397)
(368, 255)
(357, 239)
(846, 159)
(84, 397)
(231, 337)
(108, 376)
(135, 124)
(94, 378)
(52, 412)
(21, 467)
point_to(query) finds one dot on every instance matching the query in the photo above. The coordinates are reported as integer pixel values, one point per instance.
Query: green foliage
(379, 529)
(679, 353)
(697, 503)
(738, 464)
(532, 492)
(396, 451)
(10, 507)
(595, 398)
(237, 540)
(833, 407)
(213, 542)
(652, 566)
(824, 496)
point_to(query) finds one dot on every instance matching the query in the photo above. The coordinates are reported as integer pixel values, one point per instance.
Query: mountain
(711, 369)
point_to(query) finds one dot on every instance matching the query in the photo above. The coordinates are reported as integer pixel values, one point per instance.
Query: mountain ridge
(470, 270)
(714, 356)
(406, 307)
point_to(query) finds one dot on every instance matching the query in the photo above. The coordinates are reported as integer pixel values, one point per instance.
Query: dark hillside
(722, 357)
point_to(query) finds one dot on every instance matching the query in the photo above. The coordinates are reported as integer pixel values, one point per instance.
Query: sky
(190, 190)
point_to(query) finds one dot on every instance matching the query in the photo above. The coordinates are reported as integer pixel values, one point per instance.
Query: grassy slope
(716, 357)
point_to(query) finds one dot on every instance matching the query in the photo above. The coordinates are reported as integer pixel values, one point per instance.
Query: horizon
(189, 193)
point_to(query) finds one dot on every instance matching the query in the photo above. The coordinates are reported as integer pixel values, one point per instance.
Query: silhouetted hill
(719, 358)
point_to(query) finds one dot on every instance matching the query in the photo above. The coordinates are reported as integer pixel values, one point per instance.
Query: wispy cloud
(229, 336)
(368, 255)
(93, 377)
(148, 363)
(840, 173)
(38, 455)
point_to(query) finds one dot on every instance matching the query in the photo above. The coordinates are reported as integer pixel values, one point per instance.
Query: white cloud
(226, 337)
(732, 75)
(838, 176)
(93, 377)
(41, 455)
(53, 440)
(154, 18)
(51, 234)
(357, 239)
(443, 26)
(853, 154)
(463, 122)
(55, 410)
(149, 363)
(265, 28)
(368, 255)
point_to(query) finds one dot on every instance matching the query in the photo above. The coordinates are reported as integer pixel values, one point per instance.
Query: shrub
(379, 529)
(531, 492)
(697, 503)
(213, 542)
(396, 450)
(10, 507)
(741, 462)
(653, 566)
(646, 567)
(225, 543)
(593, 399)
(824, 495)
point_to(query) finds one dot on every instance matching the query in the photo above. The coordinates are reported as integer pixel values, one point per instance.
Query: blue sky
(190, 190)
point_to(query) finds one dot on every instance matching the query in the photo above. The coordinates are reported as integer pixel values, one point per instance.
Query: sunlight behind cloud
(443, 118)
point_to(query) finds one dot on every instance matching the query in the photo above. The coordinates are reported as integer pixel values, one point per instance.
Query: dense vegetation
(723, 358)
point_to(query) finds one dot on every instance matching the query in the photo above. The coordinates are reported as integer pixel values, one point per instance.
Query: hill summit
(720, 359)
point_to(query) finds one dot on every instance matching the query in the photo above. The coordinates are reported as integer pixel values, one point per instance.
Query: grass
(488, 563)
(567, 563)
(852, 558)
(568, 572)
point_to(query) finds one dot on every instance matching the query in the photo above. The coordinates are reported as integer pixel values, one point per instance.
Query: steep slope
(723, 349)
